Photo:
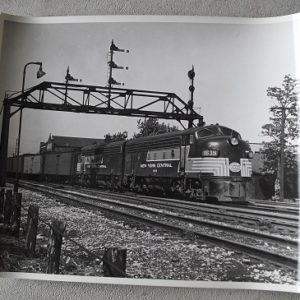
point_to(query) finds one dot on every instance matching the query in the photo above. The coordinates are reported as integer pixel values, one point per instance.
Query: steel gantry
(94, 99)
(91, 99)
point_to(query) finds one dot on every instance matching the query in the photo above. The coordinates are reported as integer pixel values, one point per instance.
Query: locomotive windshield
(217, 130)
(207, 132)
(230, 132)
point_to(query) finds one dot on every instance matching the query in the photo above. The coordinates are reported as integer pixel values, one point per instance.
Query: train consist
(204, 163)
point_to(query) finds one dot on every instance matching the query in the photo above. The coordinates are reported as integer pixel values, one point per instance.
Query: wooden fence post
(31, 228)
(2, 191)
(54, 247)
(17, 215)
(114, 262)
(7, 209)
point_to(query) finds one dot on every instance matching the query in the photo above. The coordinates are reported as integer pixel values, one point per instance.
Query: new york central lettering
(156, 165)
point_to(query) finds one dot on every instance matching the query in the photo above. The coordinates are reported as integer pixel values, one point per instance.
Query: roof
(115, 144)
(93, 146)
(174, 134)
(73, 142)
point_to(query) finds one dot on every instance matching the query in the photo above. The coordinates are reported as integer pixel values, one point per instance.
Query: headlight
(249, 154)
(210, 153)
(234, 141)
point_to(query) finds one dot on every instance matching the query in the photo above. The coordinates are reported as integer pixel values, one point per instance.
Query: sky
(234, 65)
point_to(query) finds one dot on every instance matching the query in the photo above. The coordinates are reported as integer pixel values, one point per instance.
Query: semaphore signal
(112, 65)
(68, 78)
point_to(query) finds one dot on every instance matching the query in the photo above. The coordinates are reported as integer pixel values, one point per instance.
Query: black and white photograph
(153, 148)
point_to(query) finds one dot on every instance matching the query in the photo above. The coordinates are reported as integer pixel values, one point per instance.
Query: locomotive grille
(246, 167)
(111, 151)
(158, 144)
(215, 166)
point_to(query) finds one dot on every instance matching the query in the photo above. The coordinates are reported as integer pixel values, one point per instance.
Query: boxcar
(12, 165)
(59, 166)
(32, 166)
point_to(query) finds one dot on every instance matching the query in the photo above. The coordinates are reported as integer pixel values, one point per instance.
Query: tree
(151, 126)
(120, 136)
(280, 152)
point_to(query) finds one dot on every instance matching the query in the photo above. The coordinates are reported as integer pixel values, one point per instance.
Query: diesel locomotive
(205, 163)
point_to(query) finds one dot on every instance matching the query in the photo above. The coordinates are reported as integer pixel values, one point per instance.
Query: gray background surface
(25, 289)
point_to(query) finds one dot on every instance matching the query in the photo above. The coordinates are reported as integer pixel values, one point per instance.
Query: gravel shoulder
(151, 252)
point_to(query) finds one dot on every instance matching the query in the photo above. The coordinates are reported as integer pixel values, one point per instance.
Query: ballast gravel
(151, 252)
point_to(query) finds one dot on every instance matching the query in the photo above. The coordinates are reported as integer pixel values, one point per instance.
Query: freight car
(211, 162)
(59, 166)
(29, 166)
(12, 165)
(48, 166)
(32, 166)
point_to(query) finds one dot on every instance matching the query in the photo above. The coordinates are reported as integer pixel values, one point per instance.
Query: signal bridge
(79, 98)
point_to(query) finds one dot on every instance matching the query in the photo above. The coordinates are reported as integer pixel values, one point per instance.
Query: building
(58, 143)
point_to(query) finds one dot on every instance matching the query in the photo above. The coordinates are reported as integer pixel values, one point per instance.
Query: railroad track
(256, 218)
(235, 238)
(285, 224)
(254, 209)
(295, 203)
(277, 206)
(290, 215)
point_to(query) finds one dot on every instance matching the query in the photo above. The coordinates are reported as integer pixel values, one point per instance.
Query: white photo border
(295, 19)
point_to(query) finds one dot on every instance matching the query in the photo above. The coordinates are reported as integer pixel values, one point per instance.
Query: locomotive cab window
(205, 133)
(230, 132)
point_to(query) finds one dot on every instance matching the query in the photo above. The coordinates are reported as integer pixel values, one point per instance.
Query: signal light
(191, 73)
(113, 47)
(249, 154)
(114, 82)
